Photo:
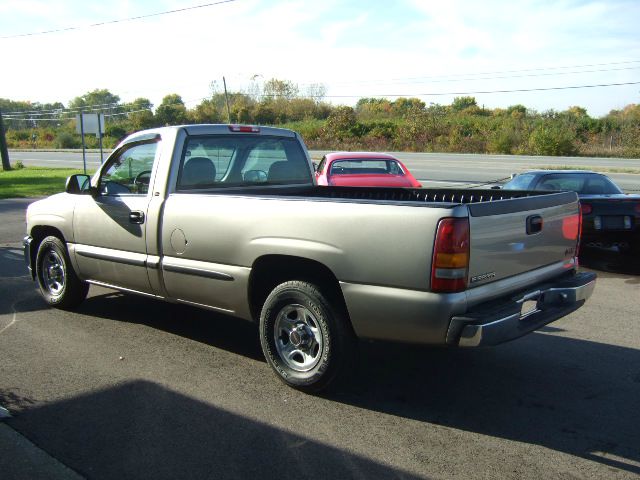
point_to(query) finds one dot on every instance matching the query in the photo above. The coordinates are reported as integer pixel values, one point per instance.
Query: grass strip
(593, 169)
(34, 181)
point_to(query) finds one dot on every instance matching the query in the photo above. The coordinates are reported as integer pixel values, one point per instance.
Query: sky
(433, 50)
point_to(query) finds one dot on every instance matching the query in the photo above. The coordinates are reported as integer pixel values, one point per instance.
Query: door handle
(136, 216)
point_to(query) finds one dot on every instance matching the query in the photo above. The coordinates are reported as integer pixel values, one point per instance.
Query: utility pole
(224, 82)
(6, 165)
(84, 153)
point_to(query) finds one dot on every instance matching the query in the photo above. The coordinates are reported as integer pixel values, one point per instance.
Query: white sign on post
(90, 122)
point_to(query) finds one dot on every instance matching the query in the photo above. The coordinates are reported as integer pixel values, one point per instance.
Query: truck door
(110, 228)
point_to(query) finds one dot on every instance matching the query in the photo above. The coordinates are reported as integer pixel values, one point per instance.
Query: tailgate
(514, 236)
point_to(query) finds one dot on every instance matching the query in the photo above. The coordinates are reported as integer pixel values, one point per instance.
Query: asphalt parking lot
(127, 387)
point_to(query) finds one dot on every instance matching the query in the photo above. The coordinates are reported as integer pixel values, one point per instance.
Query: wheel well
(39, 233)
(272, 270)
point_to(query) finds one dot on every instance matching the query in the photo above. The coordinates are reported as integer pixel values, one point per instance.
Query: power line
(60, 119)
(527, 75)
(86, 108)
(478, 92)
(499, 72)
(71, 109)
(110, 22)
(17, 115)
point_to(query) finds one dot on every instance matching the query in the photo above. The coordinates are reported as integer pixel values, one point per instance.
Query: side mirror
(315, 166)
(78, 184)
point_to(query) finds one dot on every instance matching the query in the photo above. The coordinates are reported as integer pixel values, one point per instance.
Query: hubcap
(53, 273)
(298, 338)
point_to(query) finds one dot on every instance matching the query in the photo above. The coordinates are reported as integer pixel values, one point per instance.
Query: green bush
(67, 140)
(114, 130)
(552, 140)
(384, 130)
(502, 141)
(341, 123)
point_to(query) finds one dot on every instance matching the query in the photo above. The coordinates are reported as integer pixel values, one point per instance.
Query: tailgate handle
(534, 224)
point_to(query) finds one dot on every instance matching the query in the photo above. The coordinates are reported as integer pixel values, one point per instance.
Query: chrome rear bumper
(498, 322)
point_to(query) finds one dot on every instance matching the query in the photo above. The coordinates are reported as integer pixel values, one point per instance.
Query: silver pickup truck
(228, 218)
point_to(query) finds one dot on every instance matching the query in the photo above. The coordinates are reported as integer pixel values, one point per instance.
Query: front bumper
(498, 322)
(26, 244)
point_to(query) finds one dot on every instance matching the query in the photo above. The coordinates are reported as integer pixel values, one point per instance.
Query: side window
(521, 182)
(130, 171)
(555, 182)
(394, 168)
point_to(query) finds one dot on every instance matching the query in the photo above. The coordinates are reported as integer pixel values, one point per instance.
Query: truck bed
(440, 197)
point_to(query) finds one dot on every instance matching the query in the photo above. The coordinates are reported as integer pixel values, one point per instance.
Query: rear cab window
(221, 161)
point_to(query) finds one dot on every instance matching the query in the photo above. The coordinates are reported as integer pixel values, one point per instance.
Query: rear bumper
(610, 242)
(498, 322)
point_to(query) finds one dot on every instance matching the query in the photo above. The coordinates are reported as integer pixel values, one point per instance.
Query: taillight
(579, 234)
(571, 227)
(450, 263)
(586, 208)
(244, 128)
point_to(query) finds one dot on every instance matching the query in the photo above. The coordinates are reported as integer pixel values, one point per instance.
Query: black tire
(58, 282)
(306, 339)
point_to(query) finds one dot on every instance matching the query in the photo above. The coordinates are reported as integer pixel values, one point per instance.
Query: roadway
(437, 169)
(128, 387)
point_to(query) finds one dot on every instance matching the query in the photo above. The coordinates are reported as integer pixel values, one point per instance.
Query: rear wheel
(58, 282)
(306, 339)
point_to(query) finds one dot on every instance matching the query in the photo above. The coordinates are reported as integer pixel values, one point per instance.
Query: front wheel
(306, 339)
(58, 282)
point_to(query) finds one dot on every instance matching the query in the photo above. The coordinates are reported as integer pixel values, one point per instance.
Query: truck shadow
(622, 264)
(569, 395)
(140, 429)
(18, 293)
(211, 328)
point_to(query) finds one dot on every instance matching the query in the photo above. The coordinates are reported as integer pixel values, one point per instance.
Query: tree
(171, 111)
(207, 112)
(374, 108)
(275, 88)
(6, 165)
(342, 122)
(263, 114)
(402, 106)
(97, 100)
(551, 139)
(316, 92)
(141, 115)
(517, 111)
(462, 103)
(577, 111)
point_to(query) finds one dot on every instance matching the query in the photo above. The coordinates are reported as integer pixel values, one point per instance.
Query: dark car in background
(610, 218)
